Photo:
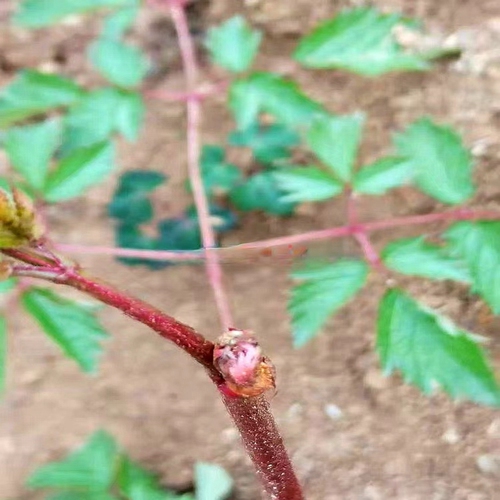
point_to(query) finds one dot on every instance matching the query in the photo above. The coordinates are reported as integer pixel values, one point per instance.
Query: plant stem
(193, 105)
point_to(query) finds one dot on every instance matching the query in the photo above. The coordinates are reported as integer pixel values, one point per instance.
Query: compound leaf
(123, 65)
(261, 192)
(306, 184)
(324, 289)
(39, 13)
(360, 40)
(443, 166)
(478, 244)
(72, 326)
(267, 92)
(91, 467)
(383, 175)
(78, 171)
(33, 93)
(30, 149)
(429, 350)
(335, 141)
(415, 256)
(233, 44)
(212, 482)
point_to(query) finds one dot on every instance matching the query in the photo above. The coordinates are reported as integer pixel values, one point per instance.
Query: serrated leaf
(3, 354)
(429, 350)
(233, 45)
(80, 170)
(30, 149)
(335, 141)
(33, 93)
(383, 175)
(212, 482)
(71, 325)
(130, 202)
(261, 192)
(417, 257)
(91, 467)
(306, 184)
(268, 92)
(360, 40)
(118, 23)
(39, 13)
(268, 143)
(478, 244)
(443, 166)
(324, 289)
(123, 65)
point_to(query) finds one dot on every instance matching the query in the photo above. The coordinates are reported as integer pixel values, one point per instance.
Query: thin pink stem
(213, 267)
(198, 95)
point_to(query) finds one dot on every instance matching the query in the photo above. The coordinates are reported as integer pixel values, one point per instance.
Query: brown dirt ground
(389, 442)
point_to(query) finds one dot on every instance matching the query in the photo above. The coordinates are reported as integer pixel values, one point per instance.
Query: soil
(352, 433)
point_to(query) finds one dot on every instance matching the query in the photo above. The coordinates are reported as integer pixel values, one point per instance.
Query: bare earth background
(352, 433)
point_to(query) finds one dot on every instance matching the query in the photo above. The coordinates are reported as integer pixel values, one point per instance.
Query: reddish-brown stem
(193, 105)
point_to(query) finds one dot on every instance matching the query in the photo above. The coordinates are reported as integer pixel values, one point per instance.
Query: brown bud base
(246, 371)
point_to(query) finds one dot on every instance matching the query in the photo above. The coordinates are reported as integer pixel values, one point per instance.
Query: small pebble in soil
(451, 436)
(333, 411)
(489, 464)
(494, 428)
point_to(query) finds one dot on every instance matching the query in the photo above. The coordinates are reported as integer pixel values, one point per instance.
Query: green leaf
(78, 171)
(118, 23)
(123, 65)
(324, 289)
(218, 176)
(383, 175)
(33, 93)
(180, 233)
(415, 256)
(71, 325)
(117, 110)
(261, 192)
(39, 13)
(3, 354)
(233, 44)
(360, 40)
(267, 92)
(429, 350)
(212, 482)
(306, 184)
(335, 141)
(268, 143)
(130, 202)
(478, 244)
(87, 495)
(30, 149)
(91, 467)
(8, 285)
(443, 166)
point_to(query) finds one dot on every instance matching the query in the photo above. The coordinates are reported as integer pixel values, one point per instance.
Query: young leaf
(39, 13)
(130, 114)
(91, 467)
(212, 482)
(261, 192)
(443, 166)
(335, 141)
(78, 171)
(3, 354)
(267, 92)
(306, 184)
(72, 326)
(33, 93)
(478, 244)
(360, 40)
(268, 143)
(415, 256)
(383, 175)
(123, 65)
(118, 23)
(130, 202)
(80, 495)
(233, 45)
(30, 149)
(429, 350)
(324, 289)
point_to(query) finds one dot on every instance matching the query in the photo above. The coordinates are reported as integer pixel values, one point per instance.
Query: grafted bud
(18, 225)
(246, 371)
